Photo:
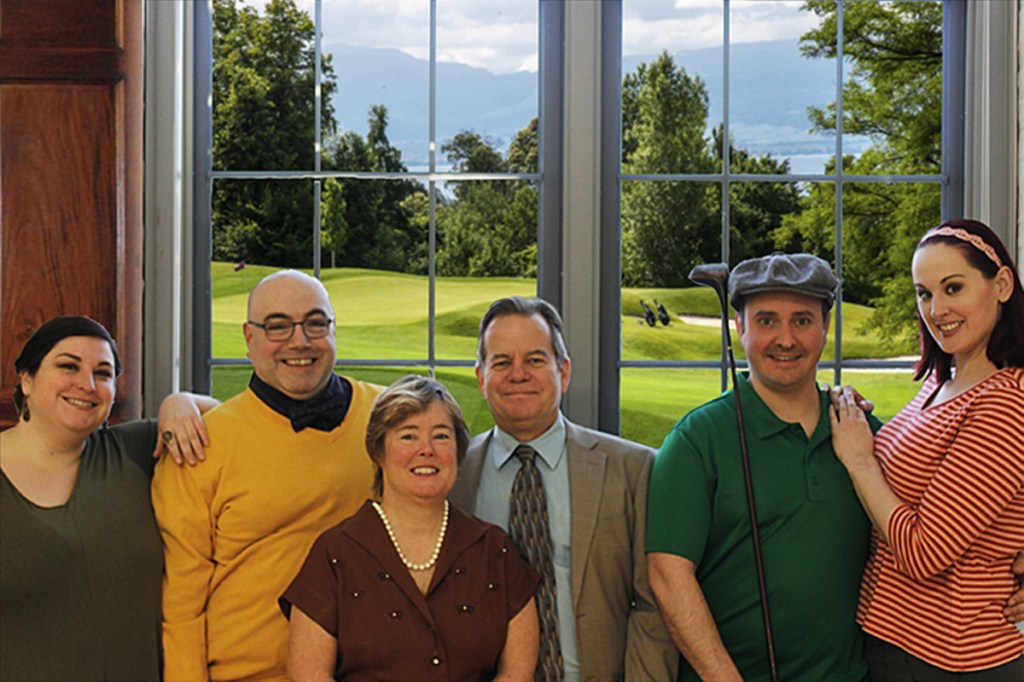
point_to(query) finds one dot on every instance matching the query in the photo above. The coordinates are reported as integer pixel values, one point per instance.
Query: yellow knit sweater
(237, 528)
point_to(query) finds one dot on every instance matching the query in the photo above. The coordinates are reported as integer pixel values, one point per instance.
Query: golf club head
(714, 275)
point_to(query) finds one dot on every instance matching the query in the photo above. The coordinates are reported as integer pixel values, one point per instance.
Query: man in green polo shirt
(814, 534)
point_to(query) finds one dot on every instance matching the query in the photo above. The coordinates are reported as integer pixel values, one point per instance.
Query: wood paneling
(71, 176)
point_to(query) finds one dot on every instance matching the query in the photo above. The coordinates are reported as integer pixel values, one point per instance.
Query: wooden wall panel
(71, 176)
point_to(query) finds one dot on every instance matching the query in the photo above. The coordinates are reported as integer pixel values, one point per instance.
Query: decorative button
(465, 608)
(504, 551)
(459, 571)
(493, 587)
(384, 575)
(356, 595)
(333, 560)
(435, 660)
(396, 615)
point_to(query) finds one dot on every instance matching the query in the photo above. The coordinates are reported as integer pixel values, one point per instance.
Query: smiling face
(783, 334)
(421, 456)
(959, 305)
(299, 367)
(74, 387)
(520, 377)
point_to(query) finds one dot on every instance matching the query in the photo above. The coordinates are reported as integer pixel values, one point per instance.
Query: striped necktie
(528, 527)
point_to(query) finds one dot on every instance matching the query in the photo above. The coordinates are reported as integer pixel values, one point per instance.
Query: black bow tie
(323, 413)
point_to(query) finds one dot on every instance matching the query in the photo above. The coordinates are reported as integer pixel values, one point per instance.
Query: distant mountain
(771, 88)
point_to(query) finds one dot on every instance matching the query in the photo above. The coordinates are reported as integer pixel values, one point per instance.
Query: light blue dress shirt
(492, 505)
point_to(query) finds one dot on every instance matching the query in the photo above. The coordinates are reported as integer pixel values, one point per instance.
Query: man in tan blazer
(608, 626)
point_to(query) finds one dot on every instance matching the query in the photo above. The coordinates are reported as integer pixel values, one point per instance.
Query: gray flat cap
(801, 273)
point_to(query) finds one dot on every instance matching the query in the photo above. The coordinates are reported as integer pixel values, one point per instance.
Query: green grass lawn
(384, 315)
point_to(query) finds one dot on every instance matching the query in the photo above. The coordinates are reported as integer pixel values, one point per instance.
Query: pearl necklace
(437, 547)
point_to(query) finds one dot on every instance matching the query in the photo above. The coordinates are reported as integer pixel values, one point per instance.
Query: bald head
(285, 280)
(298, 366)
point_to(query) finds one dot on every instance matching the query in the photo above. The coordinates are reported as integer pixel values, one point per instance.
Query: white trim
(990, 168)
(581, 207)
(168, 123)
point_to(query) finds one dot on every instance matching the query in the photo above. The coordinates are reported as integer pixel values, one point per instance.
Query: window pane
(893, 89)
(263, 87)
(764, 118)
(486, 249)
(672, 86)
(380, 56)
(651, 401)
(487, 77)
(759, 210)
(882, 224)
(265, 222)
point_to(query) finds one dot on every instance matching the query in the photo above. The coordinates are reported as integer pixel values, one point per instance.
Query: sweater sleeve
(981, 473)
(183, 506)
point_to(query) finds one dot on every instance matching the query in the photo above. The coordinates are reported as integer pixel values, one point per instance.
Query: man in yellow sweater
(287, 460)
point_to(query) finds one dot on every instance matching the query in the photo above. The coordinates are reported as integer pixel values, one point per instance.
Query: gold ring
(168, 436)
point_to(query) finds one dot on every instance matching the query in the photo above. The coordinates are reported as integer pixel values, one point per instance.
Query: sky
(501, 35)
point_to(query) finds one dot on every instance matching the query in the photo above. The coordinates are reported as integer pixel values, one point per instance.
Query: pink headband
(964, 235)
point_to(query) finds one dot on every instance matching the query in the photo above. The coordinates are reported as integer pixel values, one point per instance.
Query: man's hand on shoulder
(182, 432)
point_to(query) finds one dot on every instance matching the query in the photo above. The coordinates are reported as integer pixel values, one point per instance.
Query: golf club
(716, 276)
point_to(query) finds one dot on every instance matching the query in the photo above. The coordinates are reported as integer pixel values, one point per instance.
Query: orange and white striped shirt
(938, 589)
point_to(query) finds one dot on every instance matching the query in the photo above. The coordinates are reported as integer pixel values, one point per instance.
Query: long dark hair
(49, 335)
(1006, 345)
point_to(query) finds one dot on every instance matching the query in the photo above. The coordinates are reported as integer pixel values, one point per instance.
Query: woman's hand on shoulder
(836, 393)
(851, 435)
(182, 431)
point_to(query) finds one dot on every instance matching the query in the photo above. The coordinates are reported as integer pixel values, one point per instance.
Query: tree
(378, 230)
(263, 118)
(667, 226)
(490, 230)
(893, 95)
(756, 209)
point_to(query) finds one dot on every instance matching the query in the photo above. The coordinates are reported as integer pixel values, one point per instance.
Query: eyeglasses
(282, 328)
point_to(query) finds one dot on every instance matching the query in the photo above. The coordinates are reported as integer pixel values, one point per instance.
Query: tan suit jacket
(619, 631)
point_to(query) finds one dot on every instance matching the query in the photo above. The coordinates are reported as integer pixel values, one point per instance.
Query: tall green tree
(378, 232)
(263, 119)
(894, 96)
(666, 226)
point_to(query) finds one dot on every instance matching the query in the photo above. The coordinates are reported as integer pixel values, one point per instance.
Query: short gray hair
(526, 307)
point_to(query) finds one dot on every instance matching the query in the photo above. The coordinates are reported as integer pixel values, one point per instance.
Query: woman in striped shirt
(943, 482)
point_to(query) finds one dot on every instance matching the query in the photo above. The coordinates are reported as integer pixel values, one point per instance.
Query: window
(579, 50)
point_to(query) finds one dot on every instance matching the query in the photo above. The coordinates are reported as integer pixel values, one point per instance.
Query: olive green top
(80, 583)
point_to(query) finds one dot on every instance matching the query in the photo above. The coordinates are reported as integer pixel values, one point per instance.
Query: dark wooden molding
(71, 106)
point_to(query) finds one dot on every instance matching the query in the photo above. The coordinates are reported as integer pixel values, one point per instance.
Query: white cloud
(502, 35)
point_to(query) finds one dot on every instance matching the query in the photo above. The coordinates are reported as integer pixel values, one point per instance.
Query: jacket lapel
(586, 486)
(463, 493)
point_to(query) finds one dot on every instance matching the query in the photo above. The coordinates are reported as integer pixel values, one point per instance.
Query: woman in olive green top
(80, 554)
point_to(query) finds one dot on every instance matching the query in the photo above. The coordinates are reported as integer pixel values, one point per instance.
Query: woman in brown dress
(411, 587)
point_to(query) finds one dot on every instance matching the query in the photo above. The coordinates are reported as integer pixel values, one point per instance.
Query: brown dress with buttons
(354, 585)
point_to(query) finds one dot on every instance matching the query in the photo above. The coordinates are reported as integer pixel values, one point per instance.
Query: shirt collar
(550, 445)
(762, 423)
